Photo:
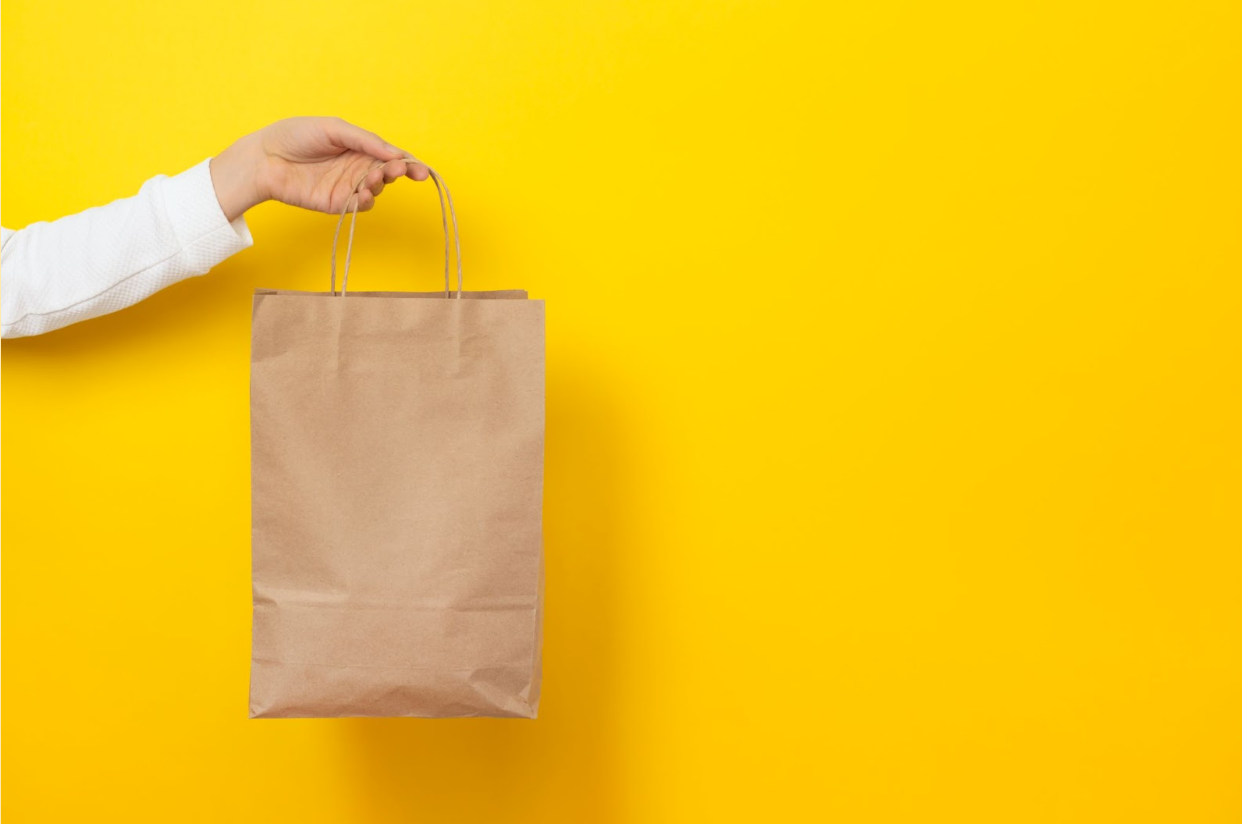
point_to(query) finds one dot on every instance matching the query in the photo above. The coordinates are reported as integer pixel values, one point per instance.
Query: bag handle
(441, 190)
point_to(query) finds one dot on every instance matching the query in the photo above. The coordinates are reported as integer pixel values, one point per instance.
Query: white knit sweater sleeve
(109, 257)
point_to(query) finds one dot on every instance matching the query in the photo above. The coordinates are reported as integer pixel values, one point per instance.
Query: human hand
(311, 162)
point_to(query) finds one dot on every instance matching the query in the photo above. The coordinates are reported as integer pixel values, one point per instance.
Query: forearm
(109, 257)
(112, 256)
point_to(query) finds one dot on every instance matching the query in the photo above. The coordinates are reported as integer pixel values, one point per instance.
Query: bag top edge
(488, 293)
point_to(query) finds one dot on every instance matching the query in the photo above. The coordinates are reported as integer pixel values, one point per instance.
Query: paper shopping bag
(397, 479)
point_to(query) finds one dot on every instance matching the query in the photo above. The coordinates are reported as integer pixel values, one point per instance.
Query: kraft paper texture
(397, 482)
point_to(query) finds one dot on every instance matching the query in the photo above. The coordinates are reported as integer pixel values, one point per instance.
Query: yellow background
(894, 451)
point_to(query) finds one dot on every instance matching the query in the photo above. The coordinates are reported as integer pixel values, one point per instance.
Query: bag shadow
(563, 761)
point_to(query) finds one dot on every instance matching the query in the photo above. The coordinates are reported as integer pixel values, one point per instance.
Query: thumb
(348, 136)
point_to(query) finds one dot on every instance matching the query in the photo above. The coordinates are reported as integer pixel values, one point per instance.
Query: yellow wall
(894, 450)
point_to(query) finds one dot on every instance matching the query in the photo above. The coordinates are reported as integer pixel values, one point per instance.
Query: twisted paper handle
(442, 191)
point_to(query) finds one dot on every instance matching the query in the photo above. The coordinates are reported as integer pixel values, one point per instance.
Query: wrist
(235, 174)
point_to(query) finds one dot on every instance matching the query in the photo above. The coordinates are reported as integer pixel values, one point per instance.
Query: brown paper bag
(397, 481)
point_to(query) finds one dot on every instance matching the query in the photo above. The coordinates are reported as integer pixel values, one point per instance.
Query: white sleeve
(109, 257)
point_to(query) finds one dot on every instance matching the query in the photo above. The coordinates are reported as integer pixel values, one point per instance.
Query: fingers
(376, 179)
(394, 169)
(366, 201)
(348, 136)
(379, 177)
